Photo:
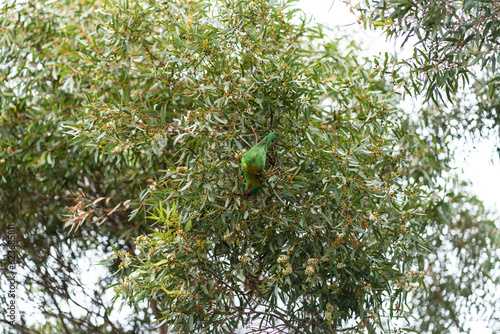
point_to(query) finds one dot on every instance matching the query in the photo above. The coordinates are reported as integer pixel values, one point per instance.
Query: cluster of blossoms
(411, 274)
(127, 285)
(244, 259)
(377, 151)
(127, 258)
(310, 268)
(181, 293)
(181, 169)
(371, 314)
(228, 237)
(282, 258)
(233, 237)
(407, 283)
(194, 214)
(142, 240)
(287, 268)
(239, 154)
(328, 313)
(125, 263)
(374, 217)
(340, 263)
(355, 243)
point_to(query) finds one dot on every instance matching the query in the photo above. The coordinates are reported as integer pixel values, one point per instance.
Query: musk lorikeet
(253, 163)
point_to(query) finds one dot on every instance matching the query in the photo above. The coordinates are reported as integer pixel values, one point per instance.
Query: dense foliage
(330, 238)
(45, 177)
(126, 122)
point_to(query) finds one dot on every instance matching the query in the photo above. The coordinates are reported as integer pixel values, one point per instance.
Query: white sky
(479, 163)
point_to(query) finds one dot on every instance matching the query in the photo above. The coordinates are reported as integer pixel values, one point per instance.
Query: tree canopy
(125, 123)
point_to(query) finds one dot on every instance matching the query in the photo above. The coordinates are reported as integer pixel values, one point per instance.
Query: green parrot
(253, 163)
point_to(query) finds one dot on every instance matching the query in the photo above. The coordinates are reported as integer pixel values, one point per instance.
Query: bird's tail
(267, 140)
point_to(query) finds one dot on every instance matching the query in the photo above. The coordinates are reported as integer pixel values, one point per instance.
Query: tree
(150, 107)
